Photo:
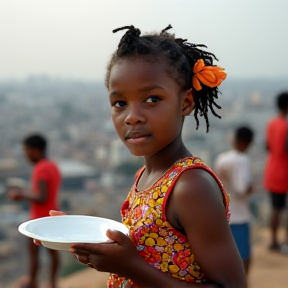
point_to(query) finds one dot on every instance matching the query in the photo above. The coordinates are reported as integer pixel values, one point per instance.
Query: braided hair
(178, 57)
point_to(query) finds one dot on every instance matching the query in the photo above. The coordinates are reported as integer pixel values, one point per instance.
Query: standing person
(234, 170)
(177, 209)
(45, 184)
(276, 171)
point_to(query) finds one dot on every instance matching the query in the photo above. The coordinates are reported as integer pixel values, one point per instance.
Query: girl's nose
(134, 117)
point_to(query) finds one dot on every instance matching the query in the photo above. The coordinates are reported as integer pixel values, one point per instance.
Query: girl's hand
(119, 257)
(56, 213)
(51, 213)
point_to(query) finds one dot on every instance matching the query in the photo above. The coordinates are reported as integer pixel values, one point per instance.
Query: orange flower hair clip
(211, 76)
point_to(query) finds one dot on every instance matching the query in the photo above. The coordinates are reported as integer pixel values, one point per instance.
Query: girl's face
(147, 106)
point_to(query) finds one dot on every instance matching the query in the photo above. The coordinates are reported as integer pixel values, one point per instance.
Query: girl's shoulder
(189, 161)
(194, 170)
(197, 180)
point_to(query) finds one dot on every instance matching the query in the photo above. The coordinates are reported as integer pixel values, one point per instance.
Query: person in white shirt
(234, 170)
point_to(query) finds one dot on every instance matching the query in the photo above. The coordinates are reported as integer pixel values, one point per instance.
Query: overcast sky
(73, 38)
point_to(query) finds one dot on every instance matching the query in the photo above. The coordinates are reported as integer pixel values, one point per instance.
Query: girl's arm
(197, 202)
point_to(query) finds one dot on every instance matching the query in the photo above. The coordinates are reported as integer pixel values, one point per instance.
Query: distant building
(75, 174)
(118, 153)
(101, 153)
(255, 99)
(8, 164)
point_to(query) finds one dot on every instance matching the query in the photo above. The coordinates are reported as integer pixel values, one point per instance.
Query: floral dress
(157, 242)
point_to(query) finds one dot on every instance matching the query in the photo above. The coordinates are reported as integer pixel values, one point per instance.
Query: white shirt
(234, 170)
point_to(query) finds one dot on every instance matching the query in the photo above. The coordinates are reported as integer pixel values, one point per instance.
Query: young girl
(177, 209)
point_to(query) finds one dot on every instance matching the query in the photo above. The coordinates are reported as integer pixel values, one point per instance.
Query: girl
(177, 208)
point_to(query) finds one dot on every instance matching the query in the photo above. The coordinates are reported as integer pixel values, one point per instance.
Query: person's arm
(241, 179)
(198, 205)
(40, 197)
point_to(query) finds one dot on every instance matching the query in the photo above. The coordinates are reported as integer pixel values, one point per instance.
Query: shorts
(278, 200)
(241, 234)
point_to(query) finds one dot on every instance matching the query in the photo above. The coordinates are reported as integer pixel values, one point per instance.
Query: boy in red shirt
(45, 182)
(276, 171)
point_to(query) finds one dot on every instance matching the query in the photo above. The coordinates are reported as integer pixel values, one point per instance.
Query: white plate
(59, 232)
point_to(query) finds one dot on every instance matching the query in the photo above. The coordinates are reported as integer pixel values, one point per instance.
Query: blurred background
(53, 57)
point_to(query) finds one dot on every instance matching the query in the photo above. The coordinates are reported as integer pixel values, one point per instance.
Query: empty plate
(59, 232)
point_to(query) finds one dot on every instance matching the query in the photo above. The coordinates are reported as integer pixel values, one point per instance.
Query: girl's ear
(188, 103)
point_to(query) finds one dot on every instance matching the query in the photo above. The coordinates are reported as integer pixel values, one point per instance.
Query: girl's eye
(119, 104)
(153, 99)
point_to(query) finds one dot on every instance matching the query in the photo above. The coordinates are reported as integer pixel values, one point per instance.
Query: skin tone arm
(215, 248)
(41, 197)
(194, 192)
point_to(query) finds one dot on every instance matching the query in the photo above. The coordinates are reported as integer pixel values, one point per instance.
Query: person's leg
(286, 229)
(246, 264)
(286, 224)
(241, 235)
(34, 264)
(284, 247)
(274, 223)
(55, 263)
(247, 250)
(278, 203)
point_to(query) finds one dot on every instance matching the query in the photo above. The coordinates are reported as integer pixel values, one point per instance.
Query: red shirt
(276, 171)
(47, 171)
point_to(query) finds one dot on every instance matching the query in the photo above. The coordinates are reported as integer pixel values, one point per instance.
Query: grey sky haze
(73, 38)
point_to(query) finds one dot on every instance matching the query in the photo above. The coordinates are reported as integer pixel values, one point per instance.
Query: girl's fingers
(56, 213)
(79, 252)
(36, 242)
(88, 248)
(84, 259)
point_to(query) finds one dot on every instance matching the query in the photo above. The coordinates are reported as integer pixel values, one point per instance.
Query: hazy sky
(73, 38)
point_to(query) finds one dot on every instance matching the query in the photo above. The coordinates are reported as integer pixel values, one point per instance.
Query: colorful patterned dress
(157, 242)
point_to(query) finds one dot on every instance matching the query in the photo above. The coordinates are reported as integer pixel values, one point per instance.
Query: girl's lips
(137, 140)
(136, 137)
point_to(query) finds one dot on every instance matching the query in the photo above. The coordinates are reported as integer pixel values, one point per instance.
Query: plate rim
(22, 229)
